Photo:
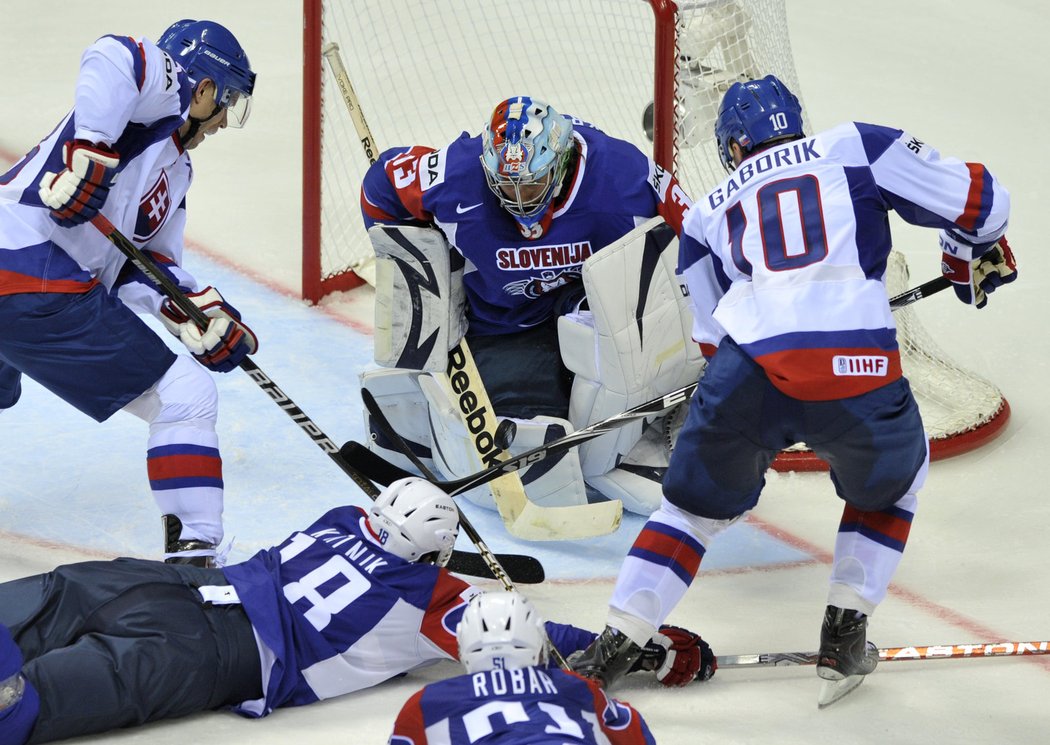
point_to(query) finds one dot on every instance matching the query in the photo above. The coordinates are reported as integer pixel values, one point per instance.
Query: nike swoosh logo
(461, 210)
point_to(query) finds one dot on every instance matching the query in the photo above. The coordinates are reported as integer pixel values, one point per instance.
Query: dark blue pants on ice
(738, 421)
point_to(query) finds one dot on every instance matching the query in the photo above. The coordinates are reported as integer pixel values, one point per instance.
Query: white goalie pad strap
(398, 395)
(638, 336)
(419, 305)
(640, 488)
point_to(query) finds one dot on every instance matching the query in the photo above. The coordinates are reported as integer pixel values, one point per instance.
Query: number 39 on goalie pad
(634, 344)
(419, 306)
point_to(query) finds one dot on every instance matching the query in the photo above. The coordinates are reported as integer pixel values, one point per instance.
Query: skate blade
(833, 690)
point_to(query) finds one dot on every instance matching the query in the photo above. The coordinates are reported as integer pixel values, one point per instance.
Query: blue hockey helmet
(526, 150)
(754, 113)
(206, 49)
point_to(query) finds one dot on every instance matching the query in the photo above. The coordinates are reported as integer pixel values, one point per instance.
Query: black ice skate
(845, 654)
(609, 657)
(176, 551)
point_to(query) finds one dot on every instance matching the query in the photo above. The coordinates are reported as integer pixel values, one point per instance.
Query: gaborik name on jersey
(790, 154)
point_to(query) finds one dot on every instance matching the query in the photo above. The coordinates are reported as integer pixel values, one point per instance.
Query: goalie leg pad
(419, 305)
(556, 481)
(398, 394)
(634, 344)
(458, 452)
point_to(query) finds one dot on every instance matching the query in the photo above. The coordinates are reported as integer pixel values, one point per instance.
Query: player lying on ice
(784, 262)
(504, 247)
(357, 598)
(509, 693)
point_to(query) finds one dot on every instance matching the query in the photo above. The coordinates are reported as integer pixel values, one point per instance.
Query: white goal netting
(426, 70)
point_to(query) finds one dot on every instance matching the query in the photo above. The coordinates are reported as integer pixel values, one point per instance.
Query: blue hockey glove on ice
(77, 193)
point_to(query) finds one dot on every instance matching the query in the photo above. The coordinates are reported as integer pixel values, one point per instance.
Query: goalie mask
(755, 113)
(526, 150)
(501, 630)
(205, 49)
(415, 520)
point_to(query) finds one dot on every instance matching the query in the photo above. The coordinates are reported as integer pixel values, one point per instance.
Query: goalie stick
(374, 465)
(525, 569)
(383, 471)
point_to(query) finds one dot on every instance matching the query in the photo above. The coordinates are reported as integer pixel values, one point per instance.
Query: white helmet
(415, 520)
(501, 630)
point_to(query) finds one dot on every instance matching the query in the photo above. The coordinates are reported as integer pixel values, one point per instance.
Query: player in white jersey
(508, 694)
(357, 598)
(784, 262)
(68, 297)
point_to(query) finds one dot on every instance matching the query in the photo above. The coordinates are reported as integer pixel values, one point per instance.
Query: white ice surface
(966, 76)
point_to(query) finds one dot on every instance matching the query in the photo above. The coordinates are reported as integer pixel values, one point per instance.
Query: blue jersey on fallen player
(349, 602)
(548, 192)
(508, 696)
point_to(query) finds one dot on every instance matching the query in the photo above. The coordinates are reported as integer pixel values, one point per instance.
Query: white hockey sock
(182, 459)
(658, 569)
(867, 551)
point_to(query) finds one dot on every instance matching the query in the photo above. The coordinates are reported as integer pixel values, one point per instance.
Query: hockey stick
(384, 425)
(523, 517)
(525, 568)
(894, 654)
(383, 471)
(354, 452)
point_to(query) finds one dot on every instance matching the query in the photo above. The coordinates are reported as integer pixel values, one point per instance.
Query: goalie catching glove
(76, 194)
(973, 280)
(678, 657)
(224, 344)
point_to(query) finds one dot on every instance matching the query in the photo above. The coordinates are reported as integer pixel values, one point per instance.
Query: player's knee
(186, 392)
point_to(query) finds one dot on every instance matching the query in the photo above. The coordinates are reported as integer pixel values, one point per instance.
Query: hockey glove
(974, 280)
(76, 194)
(678, 657)
(224, 344)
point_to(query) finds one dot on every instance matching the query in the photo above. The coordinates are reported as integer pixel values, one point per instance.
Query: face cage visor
(524, 198)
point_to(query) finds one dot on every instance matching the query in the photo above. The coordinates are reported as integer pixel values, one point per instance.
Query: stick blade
(536, 523)
(522, 569)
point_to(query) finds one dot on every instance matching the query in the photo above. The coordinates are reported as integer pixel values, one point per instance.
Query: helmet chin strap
(196, 124)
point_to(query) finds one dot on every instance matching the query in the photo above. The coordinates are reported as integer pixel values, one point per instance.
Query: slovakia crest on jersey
(153, 209)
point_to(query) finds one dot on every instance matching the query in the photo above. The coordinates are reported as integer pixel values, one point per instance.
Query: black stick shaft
(137, 257)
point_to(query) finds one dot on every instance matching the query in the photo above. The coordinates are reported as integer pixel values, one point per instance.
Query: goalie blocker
(630, 346)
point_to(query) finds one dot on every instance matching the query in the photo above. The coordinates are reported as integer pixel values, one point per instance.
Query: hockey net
(648, 71)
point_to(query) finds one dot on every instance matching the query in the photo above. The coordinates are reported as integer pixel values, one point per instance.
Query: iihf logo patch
(153, 209)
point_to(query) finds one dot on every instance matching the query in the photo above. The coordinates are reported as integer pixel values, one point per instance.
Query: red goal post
(638, 69)
(424, 72)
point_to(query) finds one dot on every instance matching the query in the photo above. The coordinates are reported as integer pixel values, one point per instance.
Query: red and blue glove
(974, 279)
(678, 657)
(77, 193)
(227, 340)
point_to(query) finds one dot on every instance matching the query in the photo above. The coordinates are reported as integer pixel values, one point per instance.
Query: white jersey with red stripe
(131, 96)
(787, 255)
